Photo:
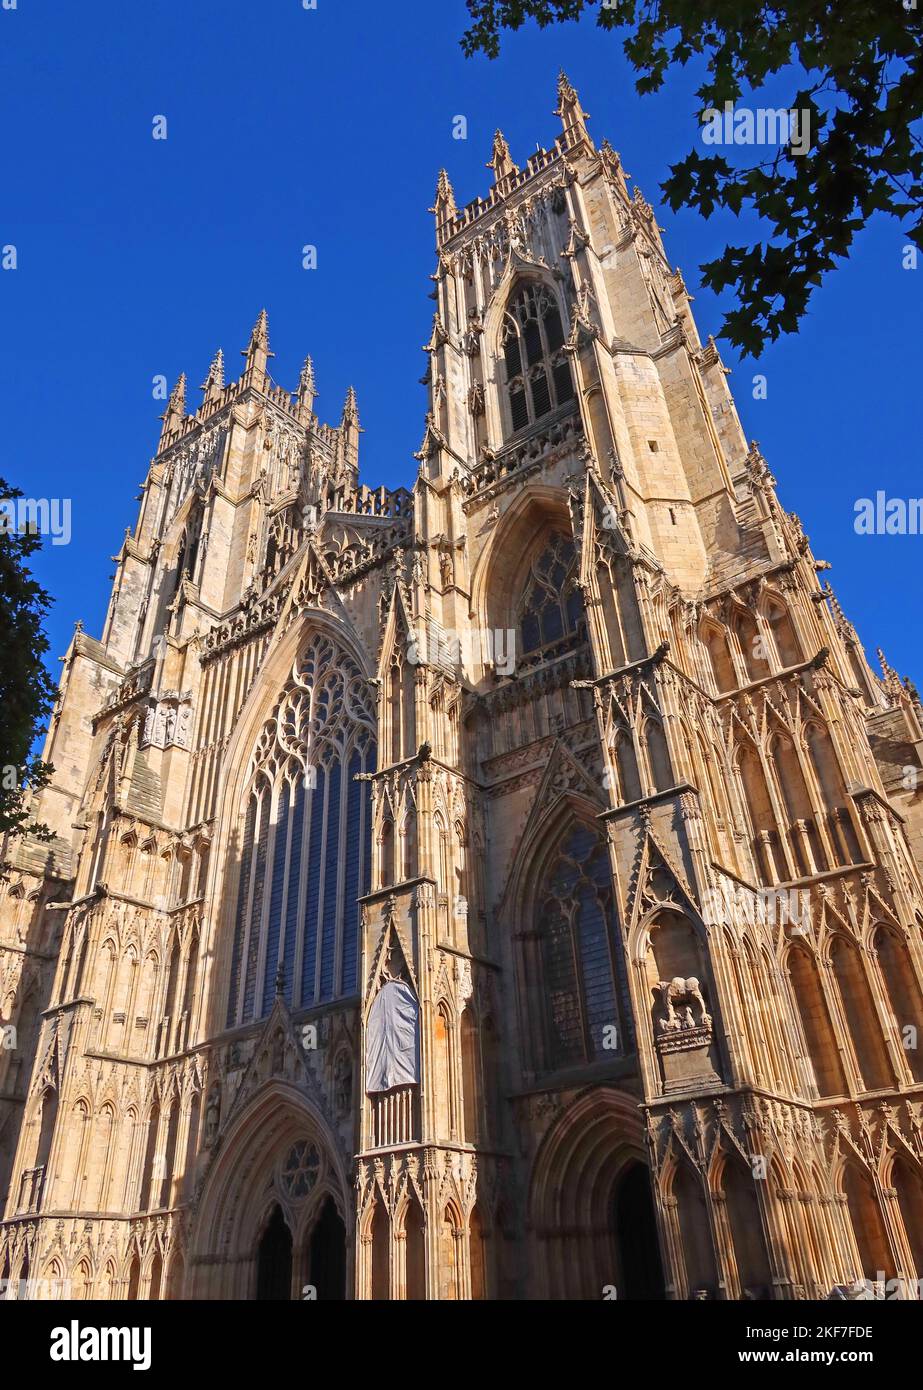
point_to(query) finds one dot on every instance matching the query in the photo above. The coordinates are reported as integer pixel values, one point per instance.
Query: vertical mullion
(283, 908)
(322, 885)
(269, 869)
(340, 921)
(304, 873)
(245, 944)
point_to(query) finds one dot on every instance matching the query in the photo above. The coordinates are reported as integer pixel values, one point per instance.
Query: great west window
(306, 841)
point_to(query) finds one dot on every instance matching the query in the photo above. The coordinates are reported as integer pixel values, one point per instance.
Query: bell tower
(635, 855)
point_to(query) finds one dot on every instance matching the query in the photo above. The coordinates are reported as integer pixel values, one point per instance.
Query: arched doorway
(591, 1207)
(327, 1254)
(875, 1261)
(635, 1228)
(274, 1261)
(278, 1144)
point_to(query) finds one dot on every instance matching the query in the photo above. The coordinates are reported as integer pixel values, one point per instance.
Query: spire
(444, 206)
(307, 390)
(573, 116)
(175, 412)
(257, 352)
(214, 382)
(350, 409)
(837, 611)
(177, 402)
(501, 160)
(892, 681)
(259, 338)
(349, 434)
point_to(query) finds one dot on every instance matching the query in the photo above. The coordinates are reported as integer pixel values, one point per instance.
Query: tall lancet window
(538, 374)
(551, 605)
(582, 988)
(305, 850)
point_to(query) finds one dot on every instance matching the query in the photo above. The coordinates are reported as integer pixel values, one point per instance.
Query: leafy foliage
(26, 690)
(862, 67)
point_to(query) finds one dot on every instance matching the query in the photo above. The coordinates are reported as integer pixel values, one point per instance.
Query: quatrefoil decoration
(299, 1173)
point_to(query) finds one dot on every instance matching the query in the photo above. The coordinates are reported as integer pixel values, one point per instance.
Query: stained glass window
(306, 848)
(583, 984)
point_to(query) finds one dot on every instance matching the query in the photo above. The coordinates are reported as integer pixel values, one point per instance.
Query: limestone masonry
(508, 887)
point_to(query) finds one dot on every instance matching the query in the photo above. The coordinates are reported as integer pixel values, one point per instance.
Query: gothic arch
(271, 702)
(687, 1198)
(253, 1150)
(268, 683)
(741, 1208)
(677, 996)
(518, 275)
(860, 1016)
(504, 562)
(777, 618)
(866, 1223)
(715, 640)
(811, 1007)
(572, 1188)
(575, 947)
(904, 1178)
(901, 991)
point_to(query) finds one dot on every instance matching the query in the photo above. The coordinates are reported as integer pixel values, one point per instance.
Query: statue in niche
(183, 720)
(169, 723)
(212, 1115)
(343, 1085)
(677, 998)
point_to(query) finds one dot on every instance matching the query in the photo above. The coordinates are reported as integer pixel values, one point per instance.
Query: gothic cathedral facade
(508, 887)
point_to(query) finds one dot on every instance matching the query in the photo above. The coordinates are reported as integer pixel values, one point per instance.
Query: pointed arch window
(551, 607)
(188, 556)
(305, 852)
(581, 974)
(538, 375)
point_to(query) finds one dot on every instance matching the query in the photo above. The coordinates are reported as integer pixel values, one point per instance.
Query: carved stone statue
(677, 999)
(212, 1115)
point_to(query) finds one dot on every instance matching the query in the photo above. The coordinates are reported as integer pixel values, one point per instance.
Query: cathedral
(507, 887)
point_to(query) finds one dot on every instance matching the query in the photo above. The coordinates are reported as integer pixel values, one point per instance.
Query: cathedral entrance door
(327, 1254)
(636, 1236)
(274, 1261)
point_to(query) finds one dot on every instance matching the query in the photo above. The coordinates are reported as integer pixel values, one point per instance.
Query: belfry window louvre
(551, 607)
(538, 374)
(305, 853)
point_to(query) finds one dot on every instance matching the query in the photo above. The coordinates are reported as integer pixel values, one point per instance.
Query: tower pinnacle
(573, 117)
(307, 390)
(350, 430)
(351, 409)
(214, 382)
(258, 352)
(501, 160)
(175, 412)
(444, 206)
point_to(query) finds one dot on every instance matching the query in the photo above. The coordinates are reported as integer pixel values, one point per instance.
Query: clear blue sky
(289, 126)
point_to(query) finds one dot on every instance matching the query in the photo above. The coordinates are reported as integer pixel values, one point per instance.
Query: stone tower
(508, 888)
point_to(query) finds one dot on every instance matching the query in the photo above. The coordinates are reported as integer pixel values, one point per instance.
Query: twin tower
(506, 887)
